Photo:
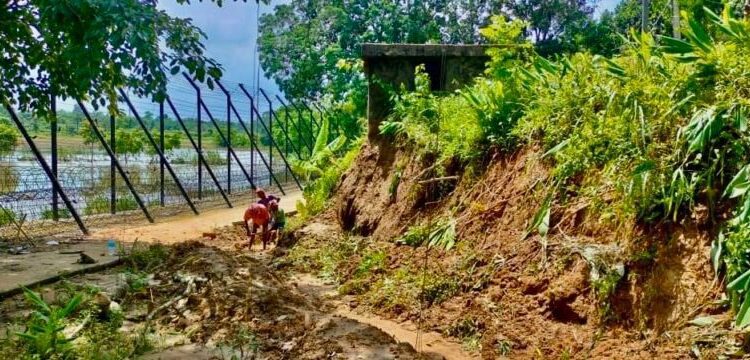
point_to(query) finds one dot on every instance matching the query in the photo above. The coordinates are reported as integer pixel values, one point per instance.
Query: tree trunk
(676, 19)
(644, 15)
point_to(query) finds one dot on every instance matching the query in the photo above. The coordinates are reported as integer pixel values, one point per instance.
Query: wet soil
(211, 293)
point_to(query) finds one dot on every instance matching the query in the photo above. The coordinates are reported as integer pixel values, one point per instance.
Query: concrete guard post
(389, 66)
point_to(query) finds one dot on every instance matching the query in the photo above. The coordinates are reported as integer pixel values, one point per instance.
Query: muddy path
(429, 343)
(208, 300)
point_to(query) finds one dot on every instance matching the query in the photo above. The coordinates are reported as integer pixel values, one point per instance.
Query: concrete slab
(49, 266)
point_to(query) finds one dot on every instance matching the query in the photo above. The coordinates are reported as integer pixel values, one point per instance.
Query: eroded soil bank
(590, 288)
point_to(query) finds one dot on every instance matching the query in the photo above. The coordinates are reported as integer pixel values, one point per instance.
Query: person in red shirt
(260, 217)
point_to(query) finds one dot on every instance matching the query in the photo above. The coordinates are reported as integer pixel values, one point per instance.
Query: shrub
(101, 205)
(47, 214)
(318, 192)
(43, 335)
(7, 216)
(445, 125)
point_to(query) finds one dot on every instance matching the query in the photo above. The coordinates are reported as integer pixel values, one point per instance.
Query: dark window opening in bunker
(434, 70)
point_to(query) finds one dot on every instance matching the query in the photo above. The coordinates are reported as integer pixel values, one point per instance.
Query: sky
(231, 31)
(605, 5)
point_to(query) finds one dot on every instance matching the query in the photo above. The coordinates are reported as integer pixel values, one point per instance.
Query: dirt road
(362, 336)
(183, 227)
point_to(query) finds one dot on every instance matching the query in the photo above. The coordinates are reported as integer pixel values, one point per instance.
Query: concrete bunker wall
(389, 66)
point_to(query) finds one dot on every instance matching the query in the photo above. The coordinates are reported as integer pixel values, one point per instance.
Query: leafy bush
(440, 125)
(7, 217)
(101, 205)
(318, 192)
(48, 214)
(142, 258)
(644, 136)
(8, 138)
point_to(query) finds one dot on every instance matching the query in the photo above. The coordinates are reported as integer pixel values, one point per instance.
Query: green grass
(101, 205)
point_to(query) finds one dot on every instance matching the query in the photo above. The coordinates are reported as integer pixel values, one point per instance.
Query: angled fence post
(201, 158)
(112, 169)
(53, 155)
(47, 170)
(112, 156)
(273, 142)
(300, 132)
(159, 152)
(221, 136)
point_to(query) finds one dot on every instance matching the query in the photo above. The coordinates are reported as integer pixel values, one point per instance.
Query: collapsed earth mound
(508, 283)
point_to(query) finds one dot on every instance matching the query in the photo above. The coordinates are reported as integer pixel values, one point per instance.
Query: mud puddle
(429, 343)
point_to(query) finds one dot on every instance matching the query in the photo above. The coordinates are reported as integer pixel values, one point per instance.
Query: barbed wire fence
(30, 209)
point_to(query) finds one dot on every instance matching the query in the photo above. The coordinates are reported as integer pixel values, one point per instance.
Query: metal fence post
(112, 170)
(200, 137)
(162, 147)
(53, 155)
(252, 138)
(200, 156)
(45, 167)
(159, 152)
(111, 154)
(270, 141)
(286, 145)
(229, 144)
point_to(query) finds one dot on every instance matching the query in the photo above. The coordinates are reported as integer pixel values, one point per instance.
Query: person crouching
(260, 217)
(278, 221)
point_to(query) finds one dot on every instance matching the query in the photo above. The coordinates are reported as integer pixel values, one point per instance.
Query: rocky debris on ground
(214, 297)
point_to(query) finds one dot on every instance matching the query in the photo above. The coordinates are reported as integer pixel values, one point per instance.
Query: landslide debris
(218, 298)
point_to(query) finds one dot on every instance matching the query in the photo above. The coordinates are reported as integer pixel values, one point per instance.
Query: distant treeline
(74, 124)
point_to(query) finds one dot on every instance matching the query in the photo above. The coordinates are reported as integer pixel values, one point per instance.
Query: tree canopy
(86, 49)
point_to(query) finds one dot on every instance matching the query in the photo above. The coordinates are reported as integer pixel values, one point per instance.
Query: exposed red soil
(533, 295)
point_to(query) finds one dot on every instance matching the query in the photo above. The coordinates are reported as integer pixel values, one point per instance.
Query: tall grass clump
(441, 125)
(656, 131)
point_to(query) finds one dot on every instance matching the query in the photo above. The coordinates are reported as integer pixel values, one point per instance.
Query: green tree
(128, 142)
(239, 138)
(88, 135)
(627, 14)
(553, 25)
(8, 138)
(89, 48)
(172, 140)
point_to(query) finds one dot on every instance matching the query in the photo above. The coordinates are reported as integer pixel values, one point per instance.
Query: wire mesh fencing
(215, 143)
(26, 193)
